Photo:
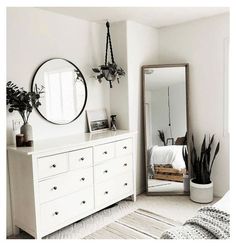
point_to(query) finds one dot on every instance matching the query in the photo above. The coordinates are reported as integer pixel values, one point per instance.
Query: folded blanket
(209, 223)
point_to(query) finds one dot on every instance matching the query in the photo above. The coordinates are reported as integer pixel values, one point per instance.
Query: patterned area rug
(140, 224)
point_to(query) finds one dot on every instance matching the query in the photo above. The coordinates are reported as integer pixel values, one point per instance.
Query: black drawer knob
(82, 158)
(125, 164)
(56, 213)
(105, 152)
(54, 188)
(53, 165)
(83, 202)
(82, 179)
(106, 171)
(125, 147)
(125, 184)
(106, 192)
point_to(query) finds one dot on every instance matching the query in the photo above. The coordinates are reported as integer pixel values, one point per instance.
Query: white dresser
(60, 181)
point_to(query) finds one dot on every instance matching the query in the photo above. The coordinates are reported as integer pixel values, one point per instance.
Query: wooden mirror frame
(186, 65)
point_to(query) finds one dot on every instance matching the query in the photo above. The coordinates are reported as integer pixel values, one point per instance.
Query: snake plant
(185, 157)
(161, 135)
(202, 164)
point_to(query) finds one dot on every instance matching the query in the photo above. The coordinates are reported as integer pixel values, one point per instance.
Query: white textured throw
(209, 223)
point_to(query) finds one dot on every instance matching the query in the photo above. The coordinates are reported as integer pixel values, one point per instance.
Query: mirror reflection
(65, 91)
(165, 127)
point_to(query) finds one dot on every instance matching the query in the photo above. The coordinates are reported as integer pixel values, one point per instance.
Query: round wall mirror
(65, 91)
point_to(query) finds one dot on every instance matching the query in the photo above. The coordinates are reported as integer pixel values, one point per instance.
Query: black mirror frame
(86, 90)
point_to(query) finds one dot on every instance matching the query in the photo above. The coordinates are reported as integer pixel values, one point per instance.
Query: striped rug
(140, 224)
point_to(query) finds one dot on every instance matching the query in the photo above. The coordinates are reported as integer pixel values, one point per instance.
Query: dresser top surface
(72, 141)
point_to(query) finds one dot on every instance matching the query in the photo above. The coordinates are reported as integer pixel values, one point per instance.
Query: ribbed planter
(201, 193)
(26, 129)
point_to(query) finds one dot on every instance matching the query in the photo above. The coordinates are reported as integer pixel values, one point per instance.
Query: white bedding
(171, 154)
(223, 203)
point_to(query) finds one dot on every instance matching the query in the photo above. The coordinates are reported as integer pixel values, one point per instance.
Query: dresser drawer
(52, 165)
(56, 212)
(81, 158)
(105, 171)
(124, 147)
(124, 164)
(112, 168)
(103, 152)
(125, 183)
(65, 184)
(114, 188)
(104, 193)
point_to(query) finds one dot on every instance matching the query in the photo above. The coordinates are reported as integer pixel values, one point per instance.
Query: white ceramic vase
(201, 193)
(26, 129)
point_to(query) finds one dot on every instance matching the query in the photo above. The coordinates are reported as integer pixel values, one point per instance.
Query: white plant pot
(201, 193)
(186, 182)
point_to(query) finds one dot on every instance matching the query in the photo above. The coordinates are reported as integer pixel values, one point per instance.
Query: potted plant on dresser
(201, 185)
(22, 101)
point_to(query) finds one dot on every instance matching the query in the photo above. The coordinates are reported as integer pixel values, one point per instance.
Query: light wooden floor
(178, 208)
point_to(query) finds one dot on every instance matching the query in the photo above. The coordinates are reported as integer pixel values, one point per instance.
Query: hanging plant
(110, 71)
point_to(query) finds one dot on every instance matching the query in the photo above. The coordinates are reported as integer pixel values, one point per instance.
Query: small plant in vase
(161, 135)
(22, 101)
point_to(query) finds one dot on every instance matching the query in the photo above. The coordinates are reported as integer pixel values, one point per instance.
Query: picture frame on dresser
(97, 120)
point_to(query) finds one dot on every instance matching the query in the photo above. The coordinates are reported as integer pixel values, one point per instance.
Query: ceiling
(157, 78)
(151, 16)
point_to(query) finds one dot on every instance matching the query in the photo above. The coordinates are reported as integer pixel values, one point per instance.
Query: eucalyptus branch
(27, 118)
(22, 101)
(23, 116)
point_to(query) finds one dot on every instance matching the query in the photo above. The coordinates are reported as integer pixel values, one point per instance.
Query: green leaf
(96, 70)
(216, 152)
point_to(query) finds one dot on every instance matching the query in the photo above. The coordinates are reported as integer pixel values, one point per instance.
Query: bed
(167, 162)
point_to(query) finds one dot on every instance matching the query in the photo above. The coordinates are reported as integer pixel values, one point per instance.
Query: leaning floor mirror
(165, 106)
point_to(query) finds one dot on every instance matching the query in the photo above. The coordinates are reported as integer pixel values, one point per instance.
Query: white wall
(142, 49)
(203, 44)
(35, 35)
(160, 119)
(119, 104)
(178, 110)
(160, 112)
(148, 118)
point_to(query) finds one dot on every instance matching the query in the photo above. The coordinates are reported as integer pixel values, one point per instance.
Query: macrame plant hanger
(108, 43)
(109, 71)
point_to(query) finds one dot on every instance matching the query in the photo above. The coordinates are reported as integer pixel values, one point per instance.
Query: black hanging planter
(109, 71)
